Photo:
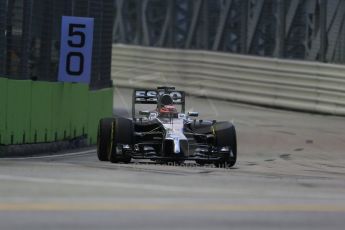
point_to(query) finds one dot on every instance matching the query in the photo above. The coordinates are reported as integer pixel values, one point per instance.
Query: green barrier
(93, 115)
(36, 112)
(57, 126)
(3, 104)
(18, 112)
(41, 112)
(79, 102)
(100, 106)
(107, 99)
(64, 129)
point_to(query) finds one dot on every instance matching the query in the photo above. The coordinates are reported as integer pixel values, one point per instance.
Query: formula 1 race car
(166, 133)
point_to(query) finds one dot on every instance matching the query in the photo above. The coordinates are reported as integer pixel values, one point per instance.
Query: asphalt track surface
(290, 175)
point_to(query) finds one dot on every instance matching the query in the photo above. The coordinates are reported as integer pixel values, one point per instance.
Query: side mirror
(144, 113)
(193, 114)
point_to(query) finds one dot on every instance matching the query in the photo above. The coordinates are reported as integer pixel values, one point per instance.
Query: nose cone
(177, 148)
(181, 146)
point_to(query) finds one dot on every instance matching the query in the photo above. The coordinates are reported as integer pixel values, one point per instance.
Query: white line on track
(113, 184)
(142, 206)
(50, 156)
(170, 189)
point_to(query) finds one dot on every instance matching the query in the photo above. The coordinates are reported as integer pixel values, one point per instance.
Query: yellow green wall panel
(78, 94)
(64, 119)
(18, 111)
(36, 112)
(100, 106)
(57, 114)
(41, 112)
(3, 105)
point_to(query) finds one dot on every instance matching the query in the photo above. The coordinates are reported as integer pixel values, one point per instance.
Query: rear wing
(149, 96)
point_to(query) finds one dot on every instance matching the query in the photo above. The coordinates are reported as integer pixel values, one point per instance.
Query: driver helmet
(166, 109)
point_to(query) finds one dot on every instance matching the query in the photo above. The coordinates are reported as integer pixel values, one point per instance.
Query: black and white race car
(164, 134)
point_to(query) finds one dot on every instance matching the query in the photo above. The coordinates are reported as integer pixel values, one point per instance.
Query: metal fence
(293, 29)
(30, 37)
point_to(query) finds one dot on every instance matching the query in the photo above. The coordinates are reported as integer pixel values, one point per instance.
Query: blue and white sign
(76, 49)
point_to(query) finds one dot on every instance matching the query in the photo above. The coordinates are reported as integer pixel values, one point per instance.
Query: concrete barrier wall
(297, 85)
(42, 112)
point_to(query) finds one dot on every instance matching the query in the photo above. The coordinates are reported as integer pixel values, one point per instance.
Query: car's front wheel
(225, 134)
(122, 135)
(104, 138)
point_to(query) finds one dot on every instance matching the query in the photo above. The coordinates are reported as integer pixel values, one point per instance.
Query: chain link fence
(30, 37)
(294, 29)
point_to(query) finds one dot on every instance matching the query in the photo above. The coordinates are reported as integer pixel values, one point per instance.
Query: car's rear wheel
(225, 133)
(104, 138)
(122, 135)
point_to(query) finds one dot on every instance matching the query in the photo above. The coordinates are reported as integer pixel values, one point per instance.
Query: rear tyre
(225, 133)
(122, 135)
(104, 138)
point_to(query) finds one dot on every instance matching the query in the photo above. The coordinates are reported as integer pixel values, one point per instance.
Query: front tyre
(122, 135)
(104, 138)
(225, 133)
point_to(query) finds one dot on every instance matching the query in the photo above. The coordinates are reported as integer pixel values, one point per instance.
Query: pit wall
(42, 112)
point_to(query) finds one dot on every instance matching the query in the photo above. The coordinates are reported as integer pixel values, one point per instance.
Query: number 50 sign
(76, 49)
